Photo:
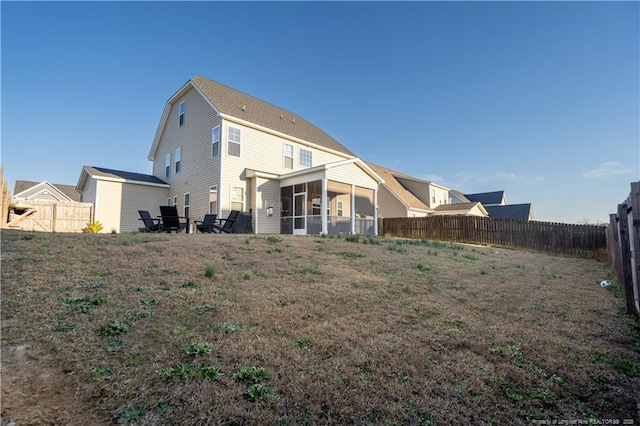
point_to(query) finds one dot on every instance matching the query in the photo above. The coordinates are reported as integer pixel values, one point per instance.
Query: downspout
(353, 209)
(220, 191)
(323, 206)
(375, 212)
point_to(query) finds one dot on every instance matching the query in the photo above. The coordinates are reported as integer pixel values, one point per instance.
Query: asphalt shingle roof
(138, 177)
(486, 198)
(510, 211)
(237, 104)
(389, 176)
(68, 190)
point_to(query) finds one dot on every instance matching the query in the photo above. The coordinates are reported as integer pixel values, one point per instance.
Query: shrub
(93, 227)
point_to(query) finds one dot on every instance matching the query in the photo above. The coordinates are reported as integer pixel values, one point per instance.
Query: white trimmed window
(168, 201)
(215, 141)
(237, 198)
(167, 165)
(178, 158)
(340, 206)
(181, 110)
(187, 204)
(175, 201)
(233, 141)
(433, 196)
(288, 156)
(213, 199)
(306, 157)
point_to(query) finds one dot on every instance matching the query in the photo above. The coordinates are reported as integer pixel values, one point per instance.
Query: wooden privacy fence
(624, 235)
(578, 240)
(47, 216)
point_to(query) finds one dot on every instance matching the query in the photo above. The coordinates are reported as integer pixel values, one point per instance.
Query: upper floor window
(168, 201)
(306, 157)
(433, 196)
(233, 139)
(215, 141)
(167, 165)
(181, 111)
(288, 156)
(178, 158)
(175, 201)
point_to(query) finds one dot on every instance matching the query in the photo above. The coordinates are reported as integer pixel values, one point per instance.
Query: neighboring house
(217, 149)
(495, 198)
(44, 191)
(402, 195)
(511, 211)
(117, 196)
(464, 209)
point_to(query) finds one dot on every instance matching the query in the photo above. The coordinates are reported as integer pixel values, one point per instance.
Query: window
(181, 112)
(433, 196)
(233, 139)
(215, 141)
(175, 201)
(237, 198)
(288, 156)
(340, 208)
(168, 201)
(167, 165)
(178, 157)
(306, 157)
(213, 199)
(187, 204)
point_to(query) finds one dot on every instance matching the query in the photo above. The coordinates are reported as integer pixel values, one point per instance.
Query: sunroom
(335, 198)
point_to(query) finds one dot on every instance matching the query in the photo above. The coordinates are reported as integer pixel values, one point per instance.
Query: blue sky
(540, 99)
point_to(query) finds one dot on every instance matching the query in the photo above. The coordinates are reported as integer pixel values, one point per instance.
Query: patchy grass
(126, 329)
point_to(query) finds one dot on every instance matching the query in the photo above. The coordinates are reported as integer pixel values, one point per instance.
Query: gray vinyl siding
(389, 205)
(199, 171)
(140, 197)
(268, 194)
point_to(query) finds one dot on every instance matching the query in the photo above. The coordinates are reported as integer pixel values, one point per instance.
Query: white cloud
(610, 168)
(432, 178)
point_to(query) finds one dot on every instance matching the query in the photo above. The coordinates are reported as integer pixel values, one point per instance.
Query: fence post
(634, 239)
(626, 280)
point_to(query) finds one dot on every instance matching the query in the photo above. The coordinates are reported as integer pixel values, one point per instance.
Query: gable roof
(69, 191)
(487, 198)
(101, 173)
(459, 195)
(232, 103)
(462, 208)
(394, 186)
(511, 211)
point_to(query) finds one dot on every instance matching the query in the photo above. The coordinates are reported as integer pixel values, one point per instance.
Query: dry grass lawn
(164, 330)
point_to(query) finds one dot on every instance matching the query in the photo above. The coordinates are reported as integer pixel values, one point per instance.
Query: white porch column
(323, 206)
(353, 209)
(375, 212)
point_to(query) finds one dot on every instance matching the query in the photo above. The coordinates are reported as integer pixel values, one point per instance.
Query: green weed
(114, 328)
(209, 271)
(230, 328)
(199, 348)
(210, 373)
(258, 391)
(250, 375)
(133, 414)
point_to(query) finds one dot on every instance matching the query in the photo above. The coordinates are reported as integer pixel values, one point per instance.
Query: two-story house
(218, 149)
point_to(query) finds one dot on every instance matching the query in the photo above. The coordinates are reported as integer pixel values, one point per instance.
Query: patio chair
(227, 226)
(150, 224)
(206, 225)
(171, 220)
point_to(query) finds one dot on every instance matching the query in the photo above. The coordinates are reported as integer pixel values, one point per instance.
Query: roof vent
(244, 107)
(280, 116)
(293, 120)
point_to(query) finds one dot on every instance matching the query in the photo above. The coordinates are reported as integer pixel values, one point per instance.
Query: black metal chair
(150, 224)
(171, 220)
(227, 226)
(206, 225)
